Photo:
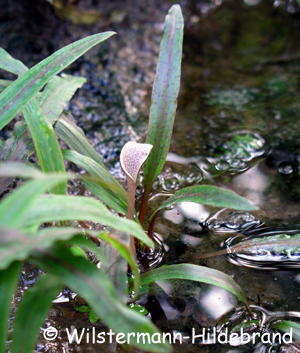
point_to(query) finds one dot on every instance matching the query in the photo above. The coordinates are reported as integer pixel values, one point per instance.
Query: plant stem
(131, 185)
(144, 205)
(151, 226)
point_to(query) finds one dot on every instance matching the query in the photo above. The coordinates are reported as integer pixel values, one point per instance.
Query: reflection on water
(252, 184)
(229, 221)
(217, 301)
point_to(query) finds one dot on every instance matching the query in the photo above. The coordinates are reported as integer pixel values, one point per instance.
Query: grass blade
(45, 142)
(32, 313)
(16, 95)
(164, 95)
(8, 282)
(195, 273)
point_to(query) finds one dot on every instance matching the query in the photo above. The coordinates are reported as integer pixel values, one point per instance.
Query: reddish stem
(151, 226)
(144, 205)
(94, 239)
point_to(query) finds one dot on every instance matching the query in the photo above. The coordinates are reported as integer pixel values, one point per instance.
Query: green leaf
(115, 195)
(289, 326)
(14, 207)
(282, 243)
(48, 208)
(17, 148)
(77, 251)
(45, 142)
(106, 196)
(57, 93)
(16, 95)
(164, 95)
(93, 317)
(194, 273)
(83, 309)
(32, 313)
(8, 63)
(104, 254)
(125, 252)
(20, 170)
(88, 245)
(8, 283)
(209, 195)
(18, 246)
(67, 130)
(4, 84)
(96, 288)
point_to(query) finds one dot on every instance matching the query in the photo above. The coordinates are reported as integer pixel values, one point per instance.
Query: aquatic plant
(41, 96)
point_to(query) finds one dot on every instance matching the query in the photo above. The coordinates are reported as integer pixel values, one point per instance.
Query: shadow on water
(237, 126)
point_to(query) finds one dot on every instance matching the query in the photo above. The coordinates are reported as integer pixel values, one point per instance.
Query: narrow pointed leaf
(100, 176)
(32, 313)
(16, 95)
(45, 142)
(195, 273)
(8, 63)
(106, 196)
(289, 326)
(209, 195)
(57, 93)
(8, 282)
(14, 207)
(67, 130)
(96, 288)
(164, 95)
(20, 170)
(48, 208)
